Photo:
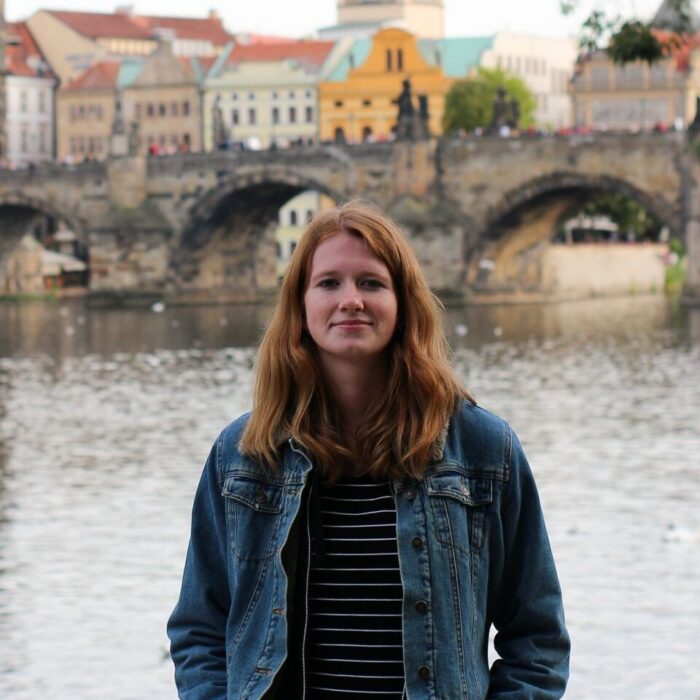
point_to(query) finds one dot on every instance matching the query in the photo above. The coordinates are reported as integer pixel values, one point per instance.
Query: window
(292, 115)
(292, 246)
(161, 110)
(137, 111)
(309, 215)
(291, 94)
(173, 109)
(292, 218)
(252, 116)
(274, 95)
(338, 103)
(73, 113)
(234, 117)
(309, 115)
(23, 146)
(81, 112)
(366, 103)
(234, 96)
(251, 95)
(42, 140)
(399, 59)
(388, 59)
(150, 110)
(275, 115)
(161, 140)
(185, 108)
(308, 93)
(42, 102)
(23, 101)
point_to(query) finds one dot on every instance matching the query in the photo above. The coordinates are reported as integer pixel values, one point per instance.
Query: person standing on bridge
(363, 528)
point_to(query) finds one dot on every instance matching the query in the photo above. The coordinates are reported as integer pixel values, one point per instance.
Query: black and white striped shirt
(354, 637)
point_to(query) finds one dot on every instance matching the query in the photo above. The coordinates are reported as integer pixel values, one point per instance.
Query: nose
(352, 300)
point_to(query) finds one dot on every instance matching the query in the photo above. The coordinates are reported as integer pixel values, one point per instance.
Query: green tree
(632, 40)
(469, 102)
(631, 217)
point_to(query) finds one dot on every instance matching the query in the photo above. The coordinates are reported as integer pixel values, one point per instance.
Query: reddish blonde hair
(290, 395)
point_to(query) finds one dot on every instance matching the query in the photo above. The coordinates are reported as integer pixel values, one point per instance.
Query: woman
(358, 534)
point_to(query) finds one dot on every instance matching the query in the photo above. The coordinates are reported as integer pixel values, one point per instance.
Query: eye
(372, 283)
(327, 283)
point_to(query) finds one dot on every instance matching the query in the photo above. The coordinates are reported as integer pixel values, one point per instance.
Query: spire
(676, 16)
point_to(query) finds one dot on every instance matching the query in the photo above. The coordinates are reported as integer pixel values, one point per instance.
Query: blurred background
(158, 164)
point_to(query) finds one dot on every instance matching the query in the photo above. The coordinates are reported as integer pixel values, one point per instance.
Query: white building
(357, 18)
(546, 64)
(29, 86)
(267, 94)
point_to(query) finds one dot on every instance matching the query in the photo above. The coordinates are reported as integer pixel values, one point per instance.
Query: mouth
(351, 324)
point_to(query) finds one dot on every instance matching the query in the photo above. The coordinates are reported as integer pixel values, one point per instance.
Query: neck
(355, 388)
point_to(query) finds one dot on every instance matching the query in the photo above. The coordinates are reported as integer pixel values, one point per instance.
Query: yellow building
(357, 94)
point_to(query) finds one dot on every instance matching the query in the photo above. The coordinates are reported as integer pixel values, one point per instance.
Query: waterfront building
(2, 81)
(292, 220)
(158, 99)
(358, 94)
(361, 18)
(29, 99)
(161, 102)
(545, 64)
(72, 42)
(639, 95)
(263, 95)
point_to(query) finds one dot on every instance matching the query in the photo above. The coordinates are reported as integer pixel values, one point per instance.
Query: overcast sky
(289, 18)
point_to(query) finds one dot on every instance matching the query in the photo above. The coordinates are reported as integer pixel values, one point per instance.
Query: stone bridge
(200, 227)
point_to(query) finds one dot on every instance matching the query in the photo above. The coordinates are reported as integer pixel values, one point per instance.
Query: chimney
(127, 10)
(213, 14)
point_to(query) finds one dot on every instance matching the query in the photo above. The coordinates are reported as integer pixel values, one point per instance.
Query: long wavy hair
(291, 397)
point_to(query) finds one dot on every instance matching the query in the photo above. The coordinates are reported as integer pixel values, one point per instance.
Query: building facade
(72, 42)
(637, 95)
(358, 93)
(29, 101)
(264, 95)
(545, 64)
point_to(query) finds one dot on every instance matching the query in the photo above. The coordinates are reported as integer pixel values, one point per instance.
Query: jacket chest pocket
(254, 513)
(458, 505)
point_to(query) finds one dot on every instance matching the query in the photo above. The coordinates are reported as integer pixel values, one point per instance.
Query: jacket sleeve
(197, 626)
(531, 638)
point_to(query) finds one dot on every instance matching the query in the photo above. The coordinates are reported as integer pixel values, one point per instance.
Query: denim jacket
(472, 544)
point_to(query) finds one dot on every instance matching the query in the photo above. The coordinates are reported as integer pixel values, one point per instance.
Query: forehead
(344, 249)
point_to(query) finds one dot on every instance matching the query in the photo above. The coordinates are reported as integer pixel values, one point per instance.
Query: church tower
(425, 18)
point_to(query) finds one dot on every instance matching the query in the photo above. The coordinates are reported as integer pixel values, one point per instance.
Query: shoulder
(479, 440)
(228, 453)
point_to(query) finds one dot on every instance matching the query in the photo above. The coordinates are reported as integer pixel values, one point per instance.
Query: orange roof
(310, 53)
(678, 46)
(125, 26)
(101, 76)
(22, 55)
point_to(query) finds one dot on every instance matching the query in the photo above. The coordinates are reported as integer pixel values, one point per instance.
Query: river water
(106, 417)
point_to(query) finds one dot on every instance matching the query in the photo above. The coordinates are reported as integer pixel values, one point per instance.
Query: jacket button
(409, 494)
(417, 542)
(421, 606)
(424, 672)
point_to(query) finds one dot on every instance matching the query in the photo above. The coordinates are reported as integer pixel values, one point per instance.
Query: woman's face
(350, 303)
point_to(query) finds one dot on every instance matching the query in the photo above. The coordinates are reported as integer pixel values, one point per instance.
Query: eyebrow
(362, 273)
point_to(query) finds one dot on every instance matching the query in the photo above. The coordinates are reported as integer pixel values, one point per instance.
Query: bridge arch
(228, 241)
(20, 200)
(510, 250)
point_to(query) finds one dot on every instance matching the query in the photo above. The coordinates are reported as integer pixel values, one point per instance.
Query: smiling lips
(351, 324)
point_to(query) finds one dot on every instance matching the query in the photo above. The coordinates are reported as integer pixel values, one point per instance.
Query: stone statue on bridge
(411, 126)
(220, 132)
(506, 113)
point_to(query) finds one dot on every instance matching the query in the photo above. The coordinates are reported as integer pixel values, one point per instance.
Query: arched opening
(569, 237)
(241, 236)
(367, 135)
(40, 251)
(339, 135)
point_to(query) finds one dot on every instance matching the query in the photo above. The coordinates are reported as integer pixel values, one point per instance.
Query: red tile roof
(310, 53)
(22, 55)
(101, 76)
(121, 25)
(678, 46)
